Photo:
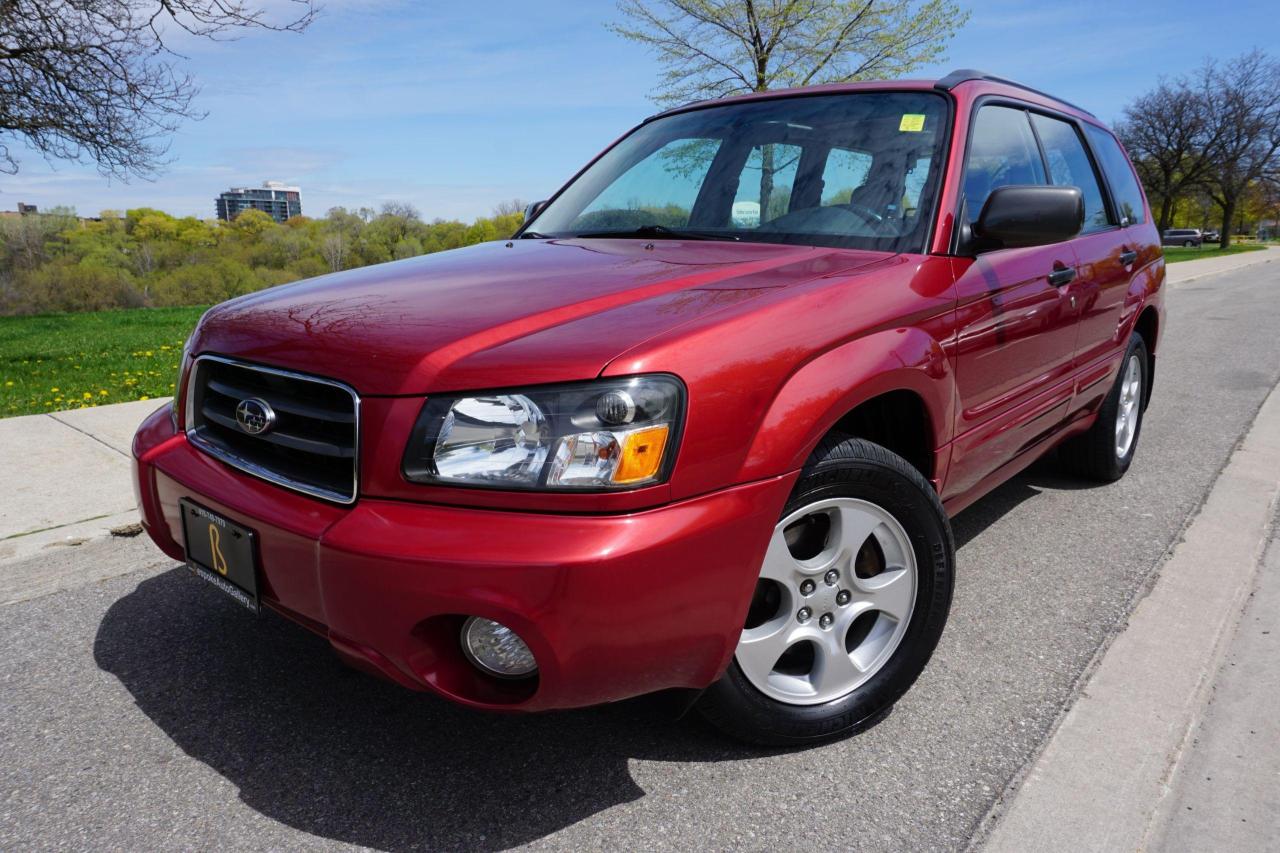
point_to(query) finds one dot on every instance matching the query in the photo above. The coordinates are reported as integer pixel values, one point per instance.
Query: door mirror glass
(1016, 216)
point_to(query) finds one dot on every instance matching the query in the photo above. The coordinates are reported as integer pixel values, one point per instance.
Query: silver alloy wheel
(849, 603)
(1130, 406)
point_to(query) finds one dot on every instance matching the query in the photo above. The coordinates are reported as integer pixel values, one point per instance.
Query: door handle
(1062, 275)
(1127, 257)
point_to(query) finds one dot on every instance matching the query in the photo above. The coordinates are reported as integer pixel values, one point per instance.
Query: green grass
(1174, 254)
(51, 362)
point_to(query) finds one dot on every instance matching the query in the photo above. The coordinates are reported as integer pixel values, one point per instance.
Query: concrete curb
(66, 476)
(1099, 781)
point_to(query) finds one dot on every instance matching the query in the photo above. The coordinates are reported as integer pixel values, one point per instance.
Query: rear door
(1105, 260)
(1139, 247)
(1016, 328)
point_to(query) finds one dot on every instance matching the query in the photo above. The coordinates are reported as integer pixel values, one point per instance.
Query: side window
(843, 173)
(1124, 186)
(1069, 166)
(1002, 152)
(660, 188)
(764, 187)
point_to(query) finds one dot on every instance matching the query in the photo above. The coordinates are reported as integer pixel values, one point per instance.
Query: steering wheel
(836, 219)
(865, 212)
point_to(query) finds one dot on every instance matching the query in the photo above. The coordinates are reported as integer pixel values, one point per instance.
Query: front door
(1016, 327)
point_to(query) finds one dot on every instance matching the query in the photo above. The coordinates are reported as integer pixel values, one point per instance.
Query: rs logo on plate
(215, 548)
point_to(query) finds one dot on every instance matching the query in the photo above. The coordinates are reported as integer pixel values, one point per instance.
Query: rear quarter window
(1124, 185)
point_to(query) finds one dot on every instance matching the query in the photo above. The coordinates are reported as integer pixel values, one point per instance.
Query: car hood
(501, 314)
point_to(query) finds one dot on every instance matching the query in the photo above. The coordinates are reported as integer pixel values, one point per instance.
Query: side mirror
(533, 209)
(1018, 216)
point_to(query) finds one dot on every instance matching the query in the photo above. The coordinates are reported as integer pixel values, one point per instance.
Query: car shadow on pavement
(1045, 474)
(343, 755)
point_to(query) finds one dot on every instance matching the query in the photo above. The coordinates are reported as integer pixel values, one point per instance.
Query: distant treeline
(58, 262)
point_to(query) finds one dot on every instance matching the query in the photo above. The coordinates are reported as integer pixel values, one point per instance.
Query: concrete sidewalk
(1142, 760)
(1185, 271)
(65, 476)
(1225, 794)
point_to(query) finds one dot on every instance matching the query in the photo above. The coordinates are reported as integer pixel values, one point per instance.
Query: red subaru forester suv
(700, 424)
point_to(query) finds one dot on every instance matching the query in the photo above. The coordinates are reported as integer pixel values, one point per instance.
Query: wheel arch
(894, 387)
(1148, 327)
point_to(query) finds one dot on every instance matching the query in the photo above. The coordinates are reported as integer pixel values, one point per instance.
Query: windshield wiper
(534, 235)
(659, 231)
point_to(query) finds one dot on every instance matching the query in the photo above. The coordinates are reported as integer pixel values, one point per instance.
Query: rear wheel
(1106, 451)
(852, 597)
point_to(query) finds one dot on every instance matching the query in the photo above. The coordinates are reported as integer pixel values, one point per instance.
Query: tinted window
(857, 170)
(1002, 152)
(1124, 186)
(1069, 166)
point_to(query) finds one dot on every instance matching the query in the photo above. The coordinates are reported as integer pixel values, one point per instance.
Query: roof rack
(961, 75)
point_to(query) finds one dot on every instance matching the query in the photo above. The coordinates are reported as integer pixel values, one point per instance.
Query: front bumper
(612, 606)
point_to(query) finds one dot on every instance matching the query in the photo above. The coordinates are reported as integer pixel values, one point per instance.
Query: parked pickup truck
(700, 425)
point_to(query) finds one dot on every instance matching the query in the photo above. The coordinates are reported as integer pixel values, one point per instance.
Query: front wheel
(852, 597)
(1188, 244)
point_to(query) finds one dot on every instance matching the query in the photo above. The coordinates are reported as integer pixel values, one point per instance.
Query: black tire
(850, 467)
(1093, 455)
(1188, 244)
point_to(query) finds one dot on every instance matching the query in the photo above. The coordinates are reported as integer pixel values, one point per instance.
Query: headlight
(610, 434)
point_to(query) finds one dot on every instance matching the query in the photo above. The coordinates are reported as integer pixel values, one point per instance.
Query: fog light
(496, 649)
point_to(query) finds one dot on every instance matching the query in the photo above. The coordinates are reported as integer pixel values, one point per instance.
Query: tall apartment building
(273, 198)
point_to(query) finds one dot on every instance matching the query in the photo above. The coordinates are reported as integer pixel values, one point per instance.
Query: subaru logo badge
(255, 416)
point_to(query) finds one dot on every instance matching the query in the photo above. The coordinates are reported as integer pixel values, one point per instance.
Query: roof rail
(961, 75)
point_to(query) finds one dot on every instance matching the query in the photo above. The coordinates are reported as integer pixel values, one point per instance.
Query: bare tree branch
(93, 79)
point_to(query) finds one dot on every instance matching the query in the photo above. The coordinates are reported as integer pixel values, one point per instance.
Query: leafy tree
(251, 223)
(58, 262)
(94, 79)
(1246, 121)
(1209, 140)
(714, 48)
(1170, 137)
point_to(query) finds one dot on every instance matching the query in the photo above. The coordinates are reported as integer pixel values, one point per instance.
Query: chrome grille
(311, 444)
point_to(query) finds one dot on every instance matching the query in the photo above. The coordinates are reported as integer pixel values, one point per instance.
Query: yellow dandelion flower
(53, 390)
(88, 396)
(144, 397)
(103, 393)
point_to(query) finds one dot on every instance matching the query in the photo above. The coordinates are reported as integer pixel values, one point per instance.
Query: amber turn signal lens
(641, 454)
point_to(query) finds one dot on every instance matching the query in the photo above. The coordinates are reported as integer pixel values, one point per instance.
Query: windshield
(853, 170)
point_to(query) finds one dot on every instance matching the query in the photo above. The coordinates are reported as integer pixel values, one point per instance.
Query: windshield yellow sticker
(911, 123)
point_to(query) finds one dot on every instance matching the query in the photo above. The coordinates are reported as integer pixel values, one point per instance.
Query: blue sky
(455, 107)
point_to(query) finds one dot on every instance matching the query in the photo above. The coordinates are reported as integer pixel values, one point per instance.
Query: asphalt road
(147, 712)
